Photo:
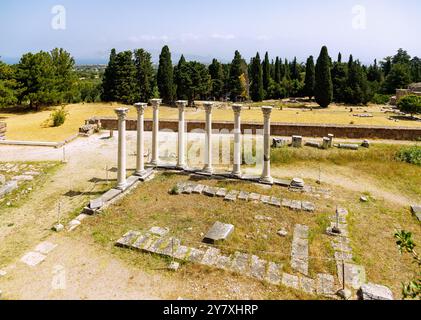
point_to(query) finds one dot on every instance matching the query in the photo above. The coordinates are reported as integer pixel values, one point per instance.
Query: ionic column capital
(140, 107)
(237, 108)
(156, 103)
(181, 104)
(208, 107)
(121, 113)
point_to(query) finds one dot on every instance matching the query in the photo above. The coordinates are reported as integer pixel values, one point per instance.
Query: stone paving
(299, 251)
(241, 263)
(234, 195)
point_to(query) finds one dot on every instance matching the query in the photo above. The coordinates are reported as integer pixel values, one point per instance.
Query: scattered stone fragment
(366, 144)
(73, 225)
(416, 211)
(58, 227)
(290, 281)
(2, 273)
(127, 239)
(297, 141)
(32, 259)
(263, 218)
(297, 183)
(344, 294)
(23, 178)
(278, 143)
(174, 266)
(219, 232)
(283, 233)
(45, 247)
(371, 291)
(364, 199)
(325, 285)
(211, 257)
(9, 187)
(159, 231)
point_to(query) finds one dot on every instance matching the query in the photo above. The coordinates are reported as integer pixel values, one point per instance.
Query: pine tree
(145, 75)
(310, 79)
(323, 89)
(256, 77)
(235, 73)
(108, 82)
(266, 73)
(165, 77)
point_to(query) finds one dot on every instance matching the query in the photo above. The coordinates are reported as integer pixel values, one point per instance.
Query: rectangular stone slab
(241, 263)
(181, 252)
(224, 262)
(195, 255)
(307, 285)
(209, 191)
(221, 193)
(127, 239)
(265, 199)
(325, 284)
(308, 206)
(355, 275)
(371, 291)
(169, 247)
(110, 194)
(243, 196)
(258, 268)
(198, 189)
(32, 259)
(231, 196)
(254, 197)
(144, 241)
(96, 203)
(45, 247)
(219, 232)
(274, 273)
(290, 281)
(276, 202)
(159, 231)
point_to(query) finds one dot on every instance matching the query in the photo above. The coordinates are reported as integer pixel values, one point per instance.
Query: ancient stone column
(155, 131)
(237, 140)
(266, 177)
(121, 166)
(208, 144)
(140, 161)
(181, 164)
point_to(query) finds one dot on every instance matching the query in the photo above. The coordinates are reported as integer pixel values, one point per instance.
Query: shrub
(380, 98)
(411, 155)
(410, 104)
(58, 117)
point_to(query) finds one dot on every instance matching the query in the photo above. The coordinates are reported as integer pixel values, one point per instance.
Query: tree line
(50, 78)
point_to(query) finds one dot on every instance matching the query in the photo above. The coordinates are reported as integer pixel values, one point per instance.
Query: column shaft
(237, 141)
(121, 162)
(208, 140)
(266, 175)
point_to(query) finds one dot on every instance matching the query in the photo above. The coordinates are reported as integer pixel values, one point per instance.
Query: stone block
(127, 239)
(96, 203)
(181, 253)
(290, 281)
(159, 231)
(221, 193)
(32, 259)
(198, 189)
(355, 275)
(45, 247)
(243, 196)
(325, 285)
(307, 285)
(9, 187)
(265, 199)
(219, 232)
(241, 263)
(258, 268)
(274, 273)
(297, 141)
(255, 197)
(308, 206)
(209, 191)
(231, 196)
(73, 225)
(211, 257)
(195, 255)
(276, 202)
(371, 291)
(223, 262)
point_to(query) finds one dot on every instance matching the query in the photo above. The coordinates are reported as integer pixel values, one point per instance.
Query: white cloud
(223, 36)
(147, 38)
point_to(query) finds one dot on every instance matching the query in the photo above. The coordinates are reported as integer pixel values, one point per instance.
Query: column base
(238, 175)
(153, 163)
(266, 180)
(208, 170)
(140, 173)
(122, 186)
(181, 167)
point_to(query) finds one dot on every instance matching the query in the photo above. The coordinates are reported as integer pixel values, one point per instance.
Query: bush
(410, 104)
(58, 117)
(380, 98)
(411, 155)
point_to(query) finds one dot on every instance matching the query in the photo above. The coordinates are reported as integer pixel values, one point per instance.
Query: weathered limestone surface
(371, 291)
(325, 285)
(32, 259)
(127, 239)
(299, 252)
(45, 247)
(290, 281)
(219, 232)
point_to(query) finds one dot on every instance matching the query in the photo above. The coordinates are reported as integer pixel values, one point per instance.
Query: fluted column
(208, 144)
(266, 177)
(140, 161)
(121, 165)
(155, 131)
(237, 140)
(181, 164)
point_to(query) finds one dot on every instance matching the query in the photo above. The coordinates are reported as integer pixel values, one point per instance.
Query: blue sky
(203, 29)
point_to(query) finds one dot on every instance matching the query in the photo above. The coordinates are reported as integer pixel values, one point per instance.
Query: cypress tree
(145, 75)
(295, 70)
(235, 74)
(108, 81)
(216, 72)
(125, 78)
(266, 73)
(278, 76)
(310, 79)
(287, 71)
(179, 79)
(339, 77)
(256, 77)
(323, 89)
(165, 77)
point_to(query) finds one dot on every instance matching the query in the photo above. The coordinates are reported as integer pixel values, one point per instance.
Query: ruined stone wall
(282, 129)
